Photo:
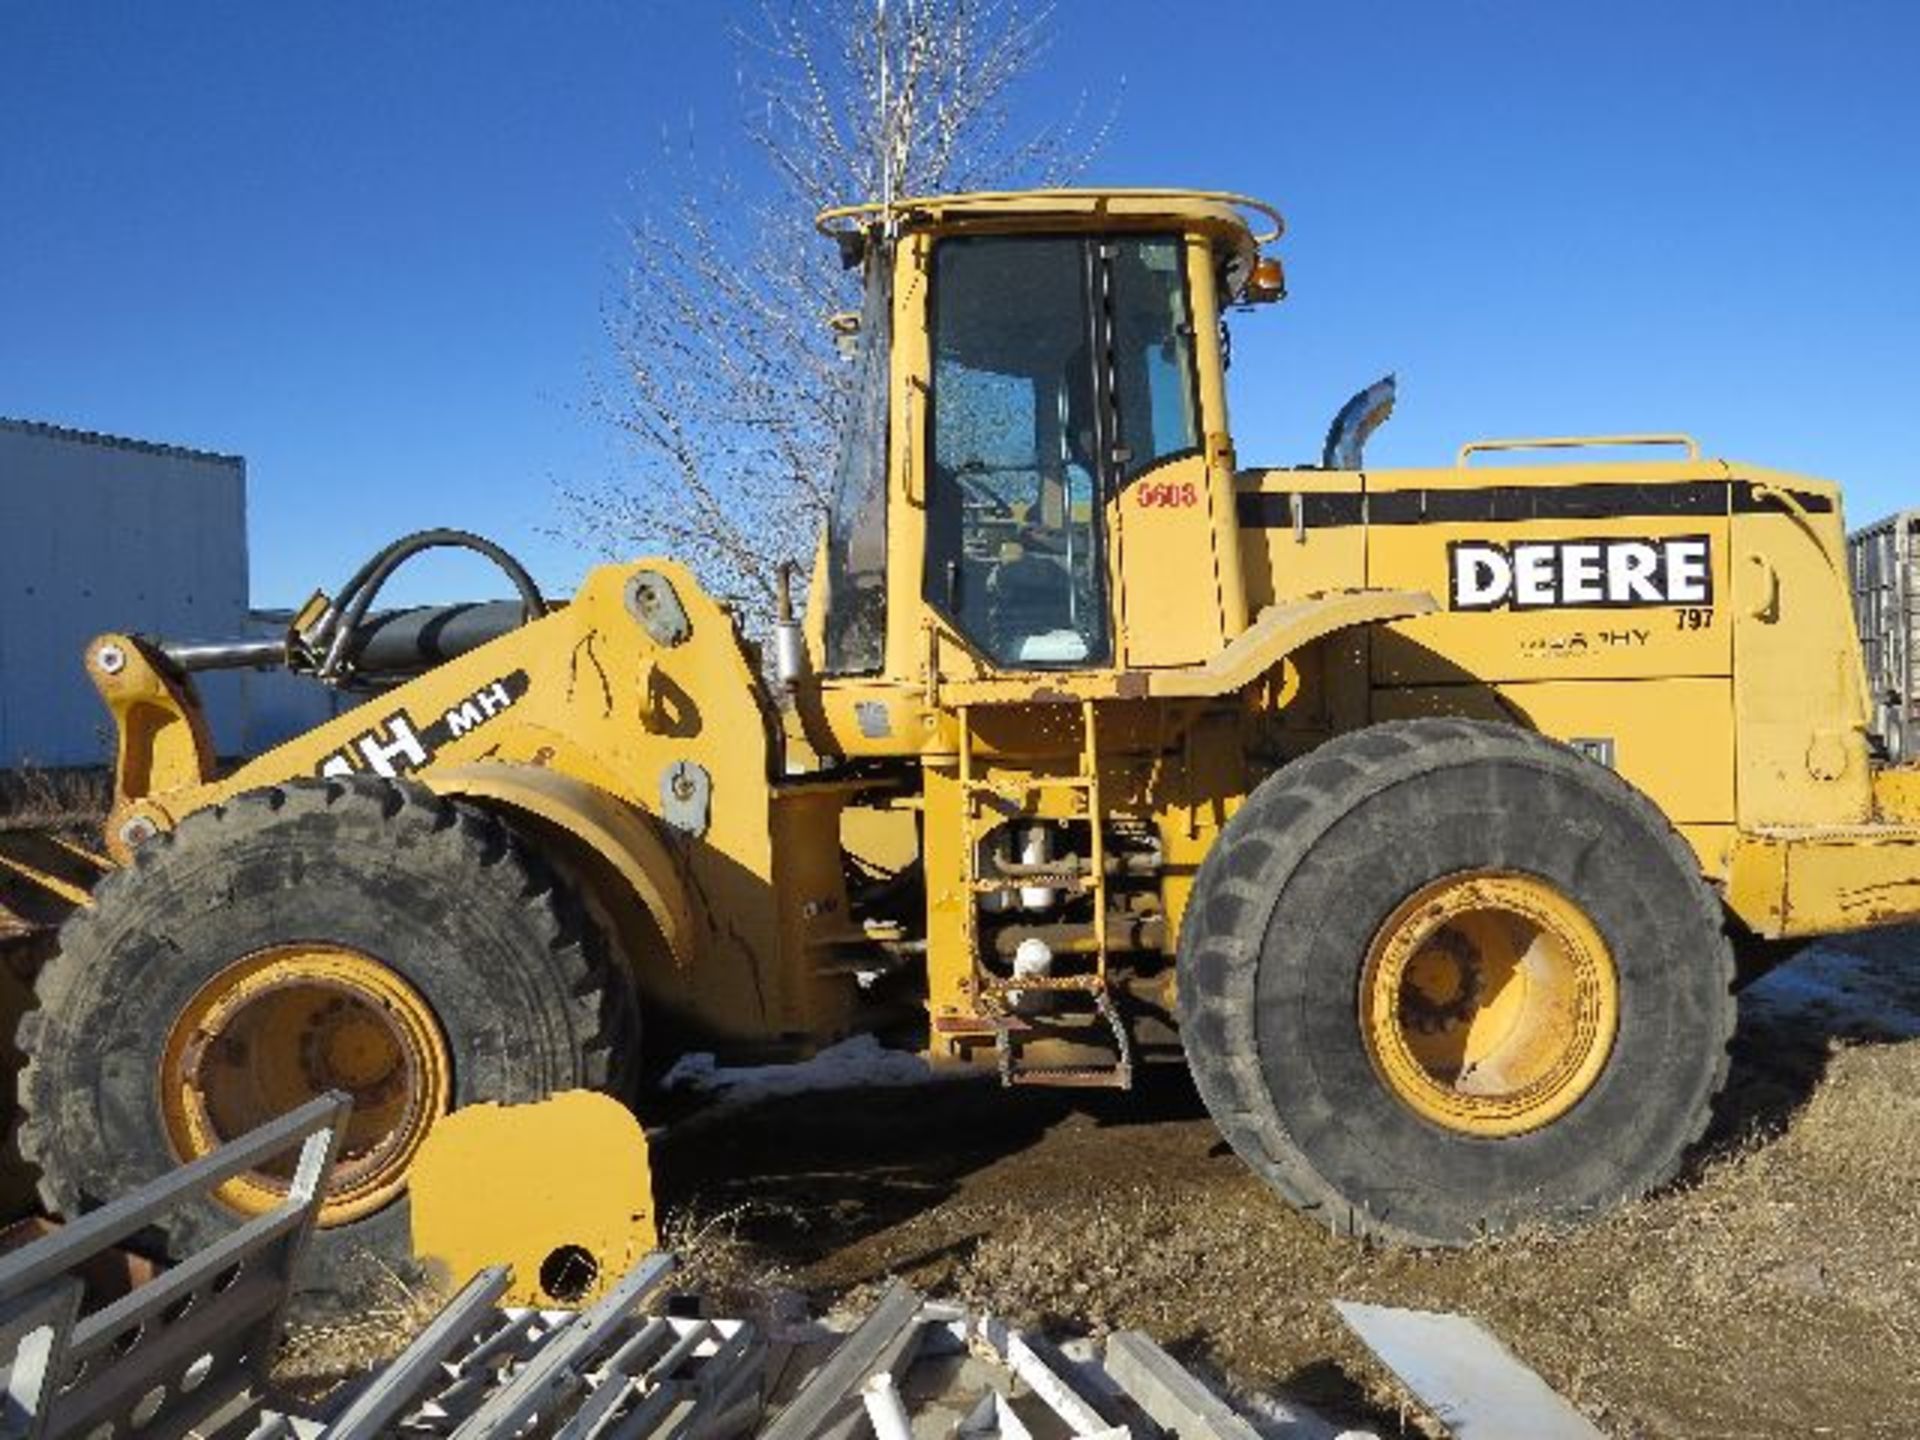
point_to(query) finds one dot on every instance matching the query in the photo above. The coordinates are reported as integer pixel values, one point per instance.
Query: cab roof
(1231, 217)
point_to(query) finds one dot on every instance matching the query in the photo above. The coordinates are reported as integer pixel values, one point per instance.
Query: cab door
(1069, 479)
(1016, 554)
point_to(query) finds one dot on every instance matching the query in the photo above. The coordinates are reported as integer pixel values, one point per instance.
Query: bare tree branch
(724, 381)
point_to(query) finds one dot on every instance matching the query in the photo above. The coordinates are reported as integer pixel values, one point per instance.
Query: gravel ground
(1774, 1290)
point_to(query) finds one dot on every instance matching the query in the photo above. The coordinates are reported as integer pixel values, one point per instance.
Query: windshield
(856, 630)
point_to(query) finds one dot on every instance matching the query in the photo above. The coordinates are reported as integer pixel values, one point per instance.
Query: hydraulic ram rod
(226, 655)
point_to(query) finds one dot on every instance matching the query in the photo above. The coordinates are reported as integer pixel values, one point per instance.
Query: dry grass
(54, 800)
(733, 1276)
(1780, 1294)
(1777, 1292)
(315, 1356)
(40, 812)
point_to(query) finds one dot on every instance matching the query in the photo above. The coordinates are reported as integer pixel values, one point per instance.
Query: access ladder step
(1117, 1076)
(1113, 1077)
(1007, 885)
(1014, 789)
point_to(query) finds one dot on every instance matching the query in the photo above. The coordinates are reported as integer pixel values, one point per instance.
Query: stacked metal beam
(190, 1352)
(187, 1347)
(916, 1370)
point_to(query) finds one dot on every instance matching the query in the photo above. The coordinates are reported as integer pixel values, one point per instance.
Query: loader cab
(1034, 475)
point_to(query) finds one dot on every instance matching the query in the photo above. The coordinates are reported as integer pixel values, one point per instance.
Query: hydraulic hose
(341, 622)
(412, 639)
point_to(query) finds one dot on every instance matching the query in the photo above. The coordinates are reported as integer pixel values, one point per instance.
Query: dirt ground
(1774, 1291)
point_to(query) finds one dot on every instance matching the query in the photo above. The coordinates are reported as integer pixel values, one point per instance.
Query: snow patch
(857, 1063)
(1870, 995)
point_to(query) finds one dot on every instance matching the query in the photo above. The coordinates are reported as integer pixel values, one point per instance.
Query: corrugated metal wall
(100, 534)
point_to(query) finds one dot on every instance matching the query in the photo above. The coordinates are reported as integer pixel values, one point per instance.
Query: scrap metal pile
(190, 1352)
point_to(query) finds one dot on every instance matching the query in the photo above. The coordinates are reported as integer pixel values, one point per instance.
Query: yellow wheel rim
(284, 1025)
(1489, 1003)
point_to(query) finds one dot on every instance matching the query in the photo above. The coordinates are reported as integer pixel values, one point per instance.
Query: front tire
(357, 935)
(1440, 978)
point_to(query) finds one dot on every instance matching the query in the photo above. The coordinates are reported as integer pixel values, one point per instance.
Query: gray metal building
(101, 533)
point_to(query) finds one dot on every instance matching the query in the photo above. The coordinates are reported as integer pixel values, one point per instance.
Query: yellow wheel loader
(1426, 814)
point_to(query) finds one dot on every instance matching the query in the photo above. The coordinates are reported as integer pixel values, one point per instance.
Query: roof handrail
(1578, 442)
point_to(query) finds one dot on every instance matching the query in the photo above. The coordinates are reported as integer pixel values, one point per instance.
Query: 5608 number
(1168, 494)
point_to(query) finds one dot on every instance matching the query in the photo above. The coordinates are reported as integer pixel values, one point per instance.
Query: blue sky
(366, 245)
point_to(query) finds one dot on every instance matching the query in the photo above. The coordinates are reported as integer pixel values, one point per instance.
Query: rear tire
(1307, 889)
(360, 934)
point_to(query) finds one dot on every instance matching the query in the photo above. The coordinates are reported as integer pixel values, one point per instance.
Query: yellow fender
(624, 837)
(1280, 631)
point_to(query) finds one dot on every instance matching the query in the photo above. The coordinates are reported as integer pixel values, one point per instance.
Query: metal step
(1117, 1076)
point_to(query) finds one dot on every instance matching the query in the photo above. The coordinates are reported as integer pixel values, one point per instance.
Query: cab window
(1156, 400)
(856, 629)
(1014, 554)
